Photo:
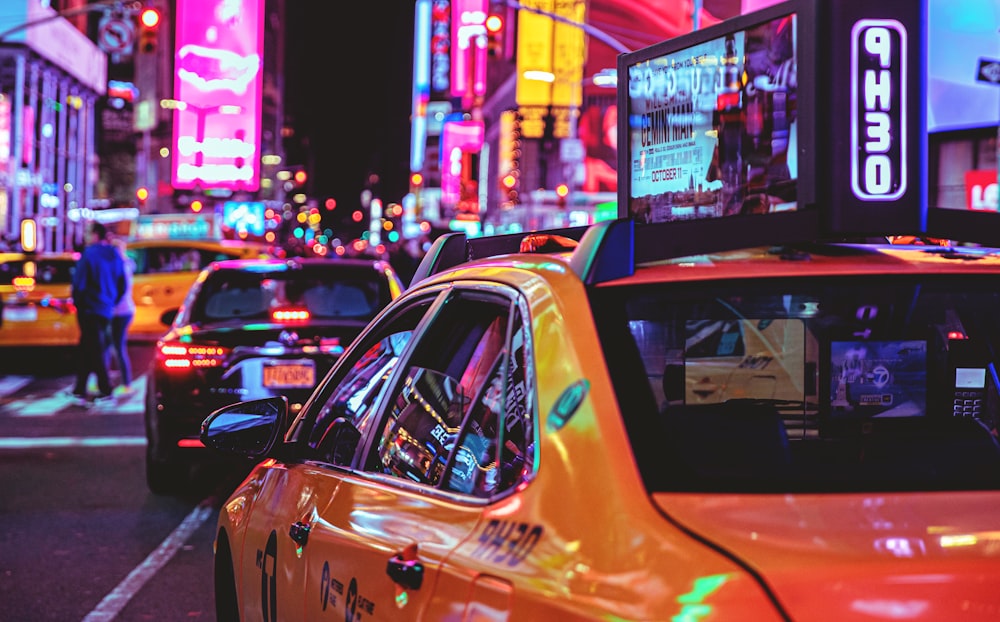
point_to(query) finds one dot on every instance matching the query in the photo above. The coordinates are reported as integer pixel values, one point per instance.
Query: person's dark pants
(95, 337)
(119, 346)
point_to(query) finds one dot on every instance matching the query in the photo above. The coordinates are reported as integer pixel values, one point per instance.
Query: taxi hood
(914, 556)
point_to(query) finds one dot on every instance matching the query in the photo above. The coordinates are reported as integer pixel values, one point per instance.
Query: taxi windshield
(808, 384)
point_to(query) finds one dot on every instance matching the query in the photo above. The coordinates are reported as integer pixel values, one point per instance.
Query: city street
(81, 537)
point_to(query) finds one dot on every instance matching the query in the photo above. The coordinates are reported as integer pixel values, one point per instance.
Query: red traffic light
(300, 177)
(494, 24)
(149, 18)
(495, 35)
(149, 22)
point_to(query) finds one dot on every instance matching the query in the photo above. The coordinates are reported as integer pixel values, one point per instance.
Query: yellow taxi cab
(165, 271)
(735, 401)
(738, 435)
(36, 296)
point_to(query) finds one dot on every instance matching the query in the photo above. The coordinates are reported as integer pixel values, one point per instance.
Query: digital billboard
(712, 126)
(217, 94)
(800, 121)
(961, 33)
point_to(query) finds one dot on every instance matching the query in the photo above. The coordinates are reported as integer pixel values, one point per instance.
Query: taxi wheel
(226, 605)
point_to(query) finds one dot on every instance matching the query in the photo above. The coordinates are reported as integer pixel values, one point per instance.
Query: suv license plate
(289, 376)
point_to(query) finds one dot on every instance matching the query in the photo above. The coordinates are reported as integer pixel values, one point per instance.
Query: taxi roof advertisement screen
(798, 121)
(713, 127)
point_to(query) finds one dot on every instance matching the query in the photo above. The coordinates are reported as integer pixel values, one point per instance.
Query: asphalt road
(81, 537)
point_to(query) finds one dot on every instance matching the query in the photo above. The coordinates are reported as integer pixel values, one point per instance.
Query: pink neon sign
(217, 88)
(469, 47)
(457, 139)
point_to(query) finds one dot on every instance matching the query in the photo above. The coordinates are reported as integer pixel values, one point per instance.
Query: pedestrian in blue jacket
(98, 285)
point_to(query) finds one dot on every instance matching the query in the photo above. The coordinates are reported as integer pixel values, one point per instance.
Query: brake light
(290, 315)
(331, 345)
(172, 355)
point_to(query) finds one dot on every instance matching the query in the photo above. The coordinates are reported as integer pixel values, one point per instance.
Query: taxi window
(855, 383)
(445, 422)
(495, 449)
(347, 397)
(175, 258)
(45, 271)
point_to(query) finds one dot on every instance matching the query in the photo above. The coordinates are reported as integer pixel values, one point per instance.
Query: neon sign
(878, 110)
(217, 87)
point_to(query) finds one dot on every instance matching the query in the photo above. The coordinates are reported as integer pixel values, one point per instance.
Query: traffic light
(495, 34)
(508, 187)
(149, 26)
(562, 191)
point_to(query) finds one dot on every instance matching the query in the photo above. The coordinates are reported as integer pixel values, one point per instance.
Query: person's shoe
(123, 390)
(79, 399)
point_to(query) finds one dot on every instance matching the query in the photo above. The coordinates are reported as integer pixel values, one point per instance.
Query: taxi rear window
(166, 259)
(814, 384)
(45, 271)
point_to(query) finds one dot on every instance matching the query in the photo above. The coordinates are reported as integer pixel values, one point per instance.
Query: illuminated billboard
(217, 94)
(469, 48)
(802, 120)
(459, 141)
(713, 126)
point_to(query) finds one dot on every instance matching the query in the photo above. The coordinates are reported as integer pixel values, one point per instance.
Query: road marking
(12, 384)
(54, 442)
(133, 404)
(116, 600)
(41, 406)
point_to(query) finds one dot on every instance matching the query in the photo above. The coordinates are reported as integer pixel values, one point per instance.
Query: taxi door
(271, 574)
(322, 542)
(374, 551)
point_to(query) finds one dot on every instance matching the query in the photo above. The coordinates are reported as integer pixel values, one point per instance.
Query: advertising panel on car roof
(799, 121)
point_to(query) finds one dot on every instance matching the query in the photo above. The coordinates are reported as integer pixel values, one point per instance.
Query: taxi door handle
(408, 573)
(299, 532)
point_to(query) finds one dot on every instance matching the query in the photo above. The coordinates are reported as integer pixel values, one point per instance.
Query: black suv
(252, 328)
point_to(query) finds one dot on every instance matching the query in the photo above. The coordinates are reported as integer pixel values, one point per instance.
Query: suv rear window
(334, 293)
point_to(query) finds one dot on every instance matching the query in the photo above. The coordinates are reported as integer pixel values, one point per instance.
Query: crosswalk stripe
(56, 442)
(12, 384)
(61, 399)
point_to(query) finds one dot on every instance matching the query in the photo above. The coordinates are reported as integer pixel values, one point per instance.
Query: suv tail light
(174, 355)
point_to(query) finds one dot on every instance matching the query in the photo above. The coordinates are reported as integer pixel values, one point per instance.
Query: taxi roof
(611, 250)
